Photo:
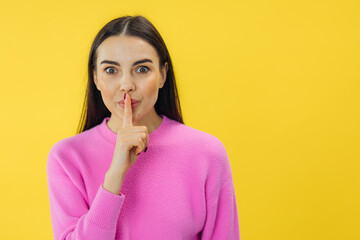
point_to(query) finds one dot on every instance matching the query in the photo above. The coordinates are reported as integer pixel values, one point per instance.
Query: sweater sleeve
(222, 220)
(71, 216)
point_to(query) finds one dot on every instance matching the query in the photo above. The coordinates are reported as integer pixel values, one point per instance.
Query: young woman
(134, 170)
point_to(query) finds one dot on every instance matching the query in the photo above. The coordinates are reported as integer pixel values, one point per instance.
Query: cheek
(150, 87)
(107, 89)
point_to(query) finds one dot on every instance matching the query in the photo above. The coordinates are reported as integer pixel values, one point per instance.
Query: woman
(134, 170)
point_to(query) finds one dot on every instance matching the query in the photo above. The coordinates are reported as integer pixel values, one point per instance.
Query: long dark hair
(168, 104)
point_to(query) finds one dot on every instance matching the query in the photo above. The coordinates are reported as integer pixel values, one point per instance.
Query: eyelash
(138, 68)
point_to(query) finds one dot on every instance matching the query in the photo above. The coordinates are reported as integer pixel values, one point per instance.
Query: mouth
(134, 104)
(132, 101)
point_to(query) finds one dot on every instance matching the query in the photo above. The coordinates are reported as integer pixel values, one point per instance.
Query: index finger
(127, 121)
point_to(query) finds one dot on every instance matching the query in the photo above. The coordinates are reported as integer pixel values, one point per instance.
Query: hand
(131, 140)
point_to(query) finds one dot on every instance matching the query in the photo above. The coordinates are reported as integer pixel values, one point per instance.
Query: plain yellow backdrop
(276, 81)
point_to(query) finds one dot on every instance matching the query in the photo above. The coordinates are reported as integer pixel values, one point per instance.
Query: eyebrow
(135, 63)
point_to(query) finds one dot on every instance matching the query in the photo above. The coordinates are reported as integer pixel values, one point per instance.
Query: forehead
(125, 49)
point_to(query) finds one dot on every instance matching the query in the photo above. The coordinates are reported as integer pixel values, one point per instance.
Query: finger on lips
(127, 122)
(127, 111)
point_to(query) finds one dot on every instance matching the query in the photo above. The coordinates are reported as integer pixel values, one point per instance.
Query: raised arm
(71, 215)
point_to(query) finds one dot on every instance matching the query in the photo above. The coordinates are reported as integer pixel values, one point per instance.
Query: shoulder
(66, 151)
(207, 150)
(201, 140)
(72, 142)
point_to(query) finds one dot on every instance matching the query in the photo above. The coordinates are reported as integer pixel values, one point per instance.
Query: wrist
(113, 183)
(115, 176)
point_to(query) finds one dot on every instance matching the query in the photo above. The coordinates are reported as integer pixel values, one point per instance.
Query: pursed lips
(132, 101)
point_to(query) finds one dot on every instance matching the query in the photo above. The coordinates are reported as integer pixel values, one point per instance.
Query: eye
(146, 69)
(110, 72)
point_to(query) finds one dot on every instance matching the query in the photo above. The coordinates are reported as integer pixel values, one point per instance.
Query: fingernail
(145, 149)
(124, 96)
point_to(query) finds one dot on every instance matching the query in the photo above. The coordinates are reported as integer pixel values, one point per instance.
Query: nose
(126, 83)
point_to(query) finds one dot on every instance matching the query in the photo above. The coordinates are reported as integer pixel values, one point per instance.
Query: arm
(222, 219)
(71, 216)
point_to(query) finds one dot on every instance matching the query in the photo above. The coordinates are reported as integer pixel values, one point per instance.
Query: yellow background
(276, 81)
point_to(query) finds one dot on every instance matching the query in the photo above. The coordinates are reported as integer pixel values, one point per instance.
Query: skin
(136, 81)
(142, 82)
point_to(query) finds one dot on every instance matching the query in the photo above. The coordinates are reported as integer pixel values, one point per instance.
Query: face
(130, 65)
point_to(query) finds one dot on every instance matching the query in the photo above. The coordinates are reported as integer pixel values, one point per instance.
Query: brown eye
(145, 69)
(111, 70)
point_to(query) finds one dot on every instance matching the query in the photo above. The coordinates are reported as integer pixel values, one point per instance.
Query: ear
(164, 70)
(95, 80)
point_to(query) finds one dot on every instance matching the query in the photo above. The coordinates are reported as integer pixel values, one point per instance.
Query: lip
(134, 104)
(132, 101)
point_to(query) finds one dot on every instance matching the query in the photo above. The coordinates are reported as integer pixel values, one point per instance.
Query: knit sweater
(180, 188)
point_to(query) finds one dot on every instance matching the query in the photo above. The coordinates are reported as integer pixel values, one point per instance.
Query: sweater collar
(154, 136)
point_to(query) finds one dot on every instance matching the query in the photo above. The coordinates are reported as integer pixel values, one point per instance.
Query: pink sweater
(180, 188)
